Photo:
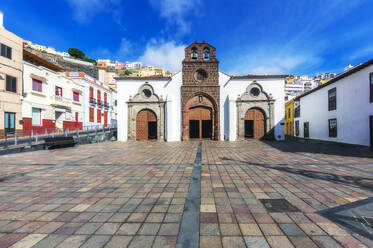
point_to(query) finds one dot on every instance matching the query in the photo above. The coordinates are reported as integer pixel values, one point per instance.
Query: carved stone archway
(255, 98)
(200, 101)
(146, 99)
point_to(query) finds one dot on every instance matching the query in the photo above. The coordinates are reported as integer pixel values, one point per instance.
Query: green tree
(76, 53)
(127, 72)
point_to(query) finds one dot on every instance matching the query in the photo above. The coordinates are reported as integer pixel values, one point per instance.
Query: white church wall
(236, 87)
(168, 90)
(224, 108)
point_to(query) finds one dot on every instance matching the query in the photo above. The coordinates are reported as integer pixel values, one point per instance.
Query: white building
(97, 100)
(340, 110)
(133, 65)
(201, 103)
(50, 100)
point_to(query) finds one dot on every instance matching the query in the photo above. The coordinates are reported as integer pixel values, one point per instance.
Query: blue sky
(251, 36)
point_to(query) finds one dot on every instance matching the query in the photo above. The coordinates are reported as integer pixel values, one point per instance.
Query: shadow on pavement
(312, 146)
(355, 181)
(351, 216)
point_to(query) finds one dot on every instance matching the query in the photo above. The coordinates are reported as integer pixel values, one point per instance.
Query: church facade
(201, 102)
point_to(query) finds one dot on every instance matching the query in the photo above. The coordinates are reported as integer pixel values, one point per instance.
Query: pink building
(120, 65)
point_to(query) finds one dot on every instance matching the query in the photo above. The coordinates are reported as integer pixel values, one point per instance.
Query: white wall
(169, 90)
(230, 90)
(45, 99)
(352, 113)
(86, 84)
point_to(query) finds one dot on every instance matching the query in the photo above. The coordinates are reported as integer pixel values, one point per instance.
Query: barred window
(332, 95)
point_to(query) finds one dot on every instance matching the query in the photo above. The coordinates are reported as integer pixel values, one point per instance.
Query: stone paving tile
(96, 241)
(325, 242)
(209, 241)
(279, 242)
(165, 242)
(74, 241)
(119, 242)
(256, 242)
(9, 239)
(142, 242)
(88, 228)
(129, 229)
(134, 194)
(52, 240)
(233, 242)
(302, 241)
(291, 230)
(29, 241)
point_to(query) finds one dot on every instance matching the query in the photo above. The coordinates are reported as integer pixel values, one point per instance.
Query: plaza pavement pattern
(182, 194)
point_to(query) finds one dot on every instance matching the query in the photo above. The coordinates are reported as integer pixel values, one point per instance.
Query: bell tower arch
(200, 74)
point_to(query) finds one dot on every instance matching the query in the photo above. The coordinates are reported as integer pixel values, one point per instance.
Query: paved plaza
(184, 194)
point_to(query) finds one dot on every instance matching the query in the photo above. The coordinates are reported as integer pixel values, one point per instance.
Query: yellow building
(289, 118)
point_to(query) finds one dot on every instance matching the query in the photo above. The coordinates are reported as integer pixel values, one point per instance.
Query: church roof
(142, 78)
(250, 76)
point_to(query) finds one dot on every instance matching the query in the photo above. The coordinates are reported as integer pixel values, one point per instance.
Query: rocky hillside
(67, 65)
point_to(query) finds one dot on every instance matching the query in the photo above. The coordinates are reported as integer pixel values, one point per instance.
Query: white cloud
(271, 59)
(167, 55)
(85, 10)
(176, 12)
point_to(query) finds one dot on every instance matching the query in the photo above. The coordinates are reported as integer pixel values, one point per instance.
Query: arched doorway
(146, 125)
(254, 124)
(200, 118)
(200, 123)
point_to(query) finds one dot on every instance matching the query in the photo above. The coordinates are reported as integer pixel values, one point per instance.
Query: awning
(77, 91)
(40, 78)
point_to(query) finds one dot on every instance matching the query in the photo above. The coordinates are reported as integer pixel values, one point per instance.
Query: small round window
(147, 93)
(255, 91)
(200, 75)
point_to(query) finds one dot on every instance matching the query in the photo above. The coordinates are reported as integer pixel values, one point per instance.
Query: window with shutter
(6, 51)
(332, 99)
(11, 84)
(91, 115)
(37, 85)
(76, 96)
(98, 116)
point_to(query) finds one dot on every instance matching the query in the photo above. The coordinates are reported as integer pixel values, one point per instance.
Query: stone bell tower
(200, 93)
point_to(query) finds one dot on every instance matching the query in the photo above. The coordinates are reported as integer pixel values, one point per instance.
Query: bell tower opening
(200, 93)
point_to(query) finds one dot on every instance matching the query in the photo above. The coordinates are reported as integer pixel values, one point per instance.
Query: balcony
(99, 103)
(106, 105)
(60, 101)
(92, 101)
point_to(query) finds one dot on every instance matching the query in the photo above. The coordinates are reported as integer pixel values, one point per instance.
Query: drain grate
(278, 205)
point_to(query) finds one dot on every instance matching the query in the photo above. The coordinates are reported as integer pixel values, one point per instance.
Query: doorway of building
(200, 123)
(59, 116)
(146, 125)
(254, 124)
(306, 130)
(9, 122)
